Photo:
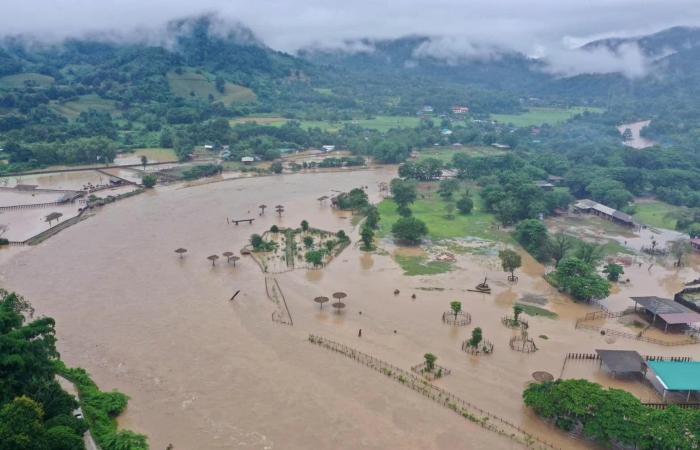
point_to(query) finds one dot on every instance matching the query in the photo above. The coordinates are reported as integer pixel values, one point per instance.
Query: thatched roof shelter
(321, 300)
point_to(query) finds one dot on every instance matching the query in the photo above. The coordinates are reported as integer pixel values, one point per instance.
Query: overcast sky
(534, 27)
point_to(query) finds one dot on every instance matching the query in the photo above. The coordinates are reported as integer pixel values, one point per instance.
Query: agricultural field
(445, 154)
(262, 119)
(379, 123)
(539, 116)
(657, 214)
(21, 80)
(198, 85)
(73, 108)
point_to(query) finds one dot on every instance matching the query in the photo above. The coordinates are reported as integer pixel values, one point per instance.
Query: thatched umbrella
(321, 301)
(338, 306)
(213, 259)
(262, 209)
(235, 258)
(228, 256)
(181, 251)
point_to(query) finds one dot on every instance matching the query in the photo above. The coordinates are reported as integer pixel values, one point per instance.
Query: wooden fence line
(460, 406)
(656, 405)
(595, 356)
(280, 315)
(33, 205)
(639, 337)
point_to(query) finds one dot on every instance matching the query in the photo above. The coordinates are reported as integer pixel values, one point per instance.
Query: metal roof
(677, 376)
(621, 361)
(658, 305)
(678, 318)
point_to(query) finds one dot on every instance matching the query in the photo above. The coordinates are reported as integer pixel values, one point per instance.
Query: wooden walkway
(450, 401)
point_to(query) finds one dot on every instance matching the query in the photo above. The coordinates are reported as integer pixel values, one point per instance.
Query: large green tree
(409, 229)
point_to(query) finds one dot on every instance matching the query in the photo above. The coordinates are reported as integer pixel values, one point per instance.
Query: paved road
(69, 387)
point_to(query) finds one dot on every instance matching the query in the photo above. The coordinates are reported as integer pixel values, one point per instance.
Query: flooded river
(637, 141)
(204, 372)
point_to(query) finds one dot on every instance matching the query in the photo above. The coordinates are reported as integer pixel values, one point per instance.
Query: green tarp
(677, 376)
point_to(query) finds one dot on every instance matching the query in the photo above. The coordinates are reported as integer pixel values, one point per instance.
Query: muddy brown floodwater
(204, 372)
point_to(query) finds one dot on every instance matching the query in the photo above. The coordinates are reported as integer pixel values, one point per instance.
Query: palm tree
(262, 209)
(181, 251)
(213, 259)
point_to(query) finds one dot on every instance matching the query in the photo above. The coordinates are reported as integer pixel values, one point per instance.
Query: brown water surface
(204, 372)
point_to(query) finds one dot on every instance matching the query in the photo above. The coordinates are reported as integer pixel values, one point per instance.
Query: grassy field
(445, 154)
(200, 86)
(657, 214)
(419, 265)
(72, 109)
(379, 123)
(431, 210)
(532, 310)
(18, 81)
(540, 116)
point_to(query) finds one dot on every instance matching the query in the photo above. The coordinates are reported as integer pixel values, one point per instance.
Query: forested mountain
(80, 100)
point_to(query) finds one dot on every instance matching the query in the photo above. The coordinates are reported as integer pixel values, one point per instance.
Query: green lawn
(445, 154)
(199, 85)
(72, 109)
(539, 116)
(419, 265)
(18, 81)
(431, 210)
(657, 214)
(532, 310)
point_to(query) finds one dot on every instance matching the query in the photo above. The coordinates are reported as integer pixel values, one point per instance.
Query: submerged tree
(679, 249)
(304, 226)
(181, 251)
(456, 308)
(517, 310)
(367, 236)
(614, 271)
(476, 337)
(213, 259)
(559, 246)
(430, 360)
(144, 161)
(279, 209)
(262, 209)
(510, 260)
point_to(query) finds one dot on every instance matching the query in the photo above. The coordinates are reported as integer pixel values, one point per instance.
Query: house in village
(544, 185)
(695, 243)
(247, 160)
(328, 148)
(460, 110)
(591, 207)
(555, 180)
